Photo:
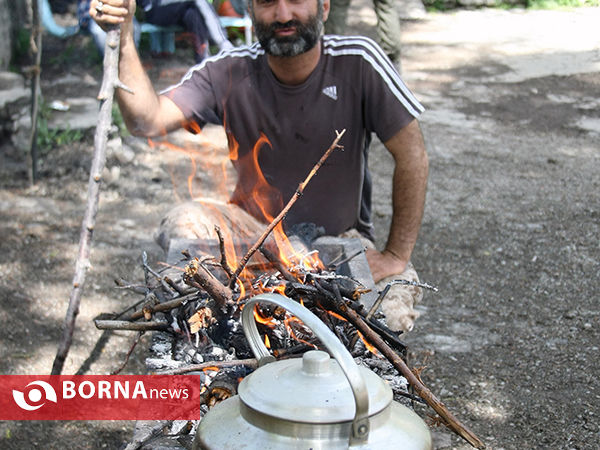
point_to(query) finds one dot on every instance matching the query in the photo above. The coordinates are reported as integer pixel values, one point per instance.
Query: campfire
(198, 315)
(195, 300)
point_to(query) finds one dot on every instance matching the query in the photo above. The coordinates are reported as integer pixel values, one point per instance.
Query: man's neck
(296, 69)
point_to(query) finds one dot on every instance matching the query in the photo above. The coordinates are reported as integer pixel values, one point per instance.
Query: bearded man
(286, 94)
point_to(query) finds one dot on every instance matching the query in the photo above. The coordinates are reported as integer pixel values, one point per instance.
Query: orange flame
(336, 315)
(267, 321)
(292, 333)
(370, 347)
(252, 193)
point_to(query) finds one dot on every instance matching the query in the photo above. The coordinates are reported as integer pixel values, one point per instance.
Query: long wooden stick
(110, 82)
(451, 422)
(36, 45)
(285, 210)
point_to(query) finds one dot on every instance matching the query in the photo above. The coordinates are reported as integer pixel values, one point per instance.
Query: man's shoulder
(226, 69)
(234, 56)
(348, 54)
(359, 51)
(337, 45)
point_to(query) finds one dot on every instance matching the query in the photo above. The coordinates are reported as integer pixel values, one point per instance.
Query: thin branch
(131, 349)
(451, 422)
(130, 326)
(36, 46)
(110, 82)
(251, 363)
(335, 264)
(224, 263)
(196, 274)
(285, 210)
(160, 307)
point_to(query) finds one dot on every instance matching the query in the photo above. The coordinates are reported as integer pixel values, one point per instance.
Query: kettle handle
(360, 424)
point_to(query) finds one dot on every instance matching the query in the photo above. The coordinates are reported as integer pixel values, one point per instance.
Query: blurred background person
(89, 26)
(195, 16)
(388, 25)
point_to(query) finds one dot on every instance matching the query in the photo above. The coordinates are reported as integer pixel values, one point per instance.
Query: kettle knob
(316, 362)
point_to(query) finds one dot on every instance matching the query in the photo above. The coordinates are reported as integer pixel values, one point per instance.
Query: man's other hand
(112, 12)
(384, 264)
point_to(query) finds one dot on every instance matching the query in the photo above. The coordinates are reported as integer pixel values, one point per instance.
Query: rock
(15, 116)
(411, 10)
(81, 115)
(119, 151)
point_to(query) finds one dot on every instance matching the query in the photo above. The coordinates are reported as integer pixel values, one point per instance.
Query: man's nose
(283, 12)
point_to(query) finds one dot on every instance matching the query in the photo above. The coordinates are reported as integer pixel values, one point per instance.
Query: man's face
(287, 27)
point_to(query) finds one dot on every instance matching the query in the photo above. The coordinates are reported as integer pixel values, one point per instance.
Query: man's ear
(326, 7)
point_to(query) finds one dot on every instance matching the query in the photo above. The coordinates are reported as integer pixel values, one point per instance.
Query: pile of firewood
(197, 304)
(203, 300)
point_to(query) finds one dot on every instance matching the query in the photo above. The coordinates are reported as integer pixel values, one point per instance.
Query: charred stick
(285, 210)
(351, 294)
(182, 291)
(251, 363)
(453, 423)
(380, 329)
(333, 265)
(202, 276)
(136, 288)
(158, 429)
(130, 326)
(278, 264)
(291, 351)
(388, 335)
(159, 278)
(412, 397)
(296, 288)
(161, 307)
(135, 343)
(192, 283)
(324, 316)
(224, 263)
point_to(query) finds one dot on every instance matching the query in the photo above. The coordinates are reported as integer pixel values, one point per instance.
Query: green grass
(447, 5)
(49, 138)
(558, 4)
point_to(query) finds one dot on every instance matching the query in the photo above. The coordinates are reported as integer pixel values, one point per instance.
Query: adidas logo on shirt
(331, 92)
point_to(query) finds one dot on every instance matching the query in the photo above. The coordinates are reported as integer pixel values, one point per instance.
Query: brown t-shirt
(353, 88)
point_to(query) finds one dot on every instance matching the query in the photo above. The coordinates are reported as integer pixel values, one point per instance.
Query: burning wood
(208, 321)
(202, 300)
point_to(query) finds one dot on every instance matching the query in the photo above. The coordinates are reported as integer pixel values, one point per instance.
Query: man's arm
(408, 201)
(145, 113)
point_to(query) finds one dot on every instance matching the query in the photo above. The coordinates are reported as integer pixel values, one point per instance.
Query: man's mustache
(280, 26)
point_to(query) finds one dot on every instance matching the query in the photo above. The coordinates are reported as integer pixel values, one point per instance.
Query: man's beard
(306, 37)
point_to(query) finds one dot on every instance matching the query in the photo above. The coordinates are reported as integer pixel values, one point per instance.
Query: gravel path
(510, 234)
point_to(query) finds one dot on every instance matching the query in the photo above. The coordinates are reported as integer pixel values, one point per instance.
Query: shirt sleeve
(195, 96)
(389, 104)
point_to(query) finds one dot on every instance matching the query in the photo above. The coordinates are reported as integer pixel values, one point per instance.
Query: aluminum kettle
(311, 403)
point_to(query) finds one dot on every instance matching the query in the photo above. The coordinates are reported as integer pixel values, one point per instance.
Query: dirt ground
(510, 234)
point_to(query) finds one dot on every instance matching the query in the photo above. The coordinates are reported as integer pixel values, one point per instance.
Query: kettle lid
(311, 390)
